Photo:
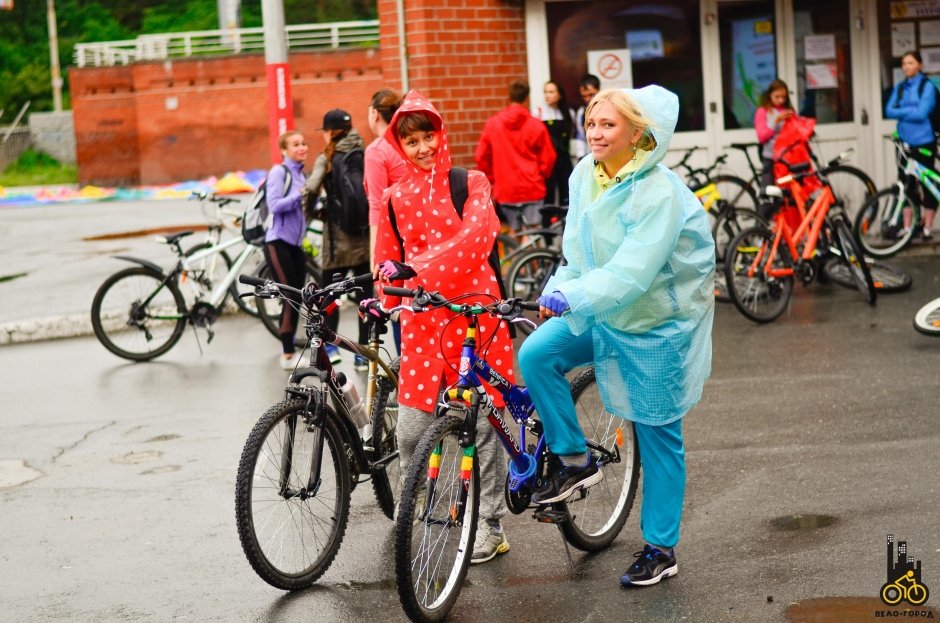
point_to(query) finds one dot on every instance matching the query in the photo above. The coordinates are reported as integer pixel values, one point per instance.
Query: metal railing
(217, 42)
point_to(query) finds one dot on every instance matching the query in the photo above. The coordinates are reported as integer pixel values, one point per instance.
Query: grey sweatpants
(490, 458)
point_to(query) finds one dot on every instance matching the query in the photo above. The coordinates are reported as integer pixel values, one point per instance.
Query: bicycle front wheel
(527, 277)
(597, 514)
(292, 495)
(758, 295)
(436, 523)
(927, 318)
(852, 255)
(386, 478)
(138, 314)
(888, 279)
(879, 225)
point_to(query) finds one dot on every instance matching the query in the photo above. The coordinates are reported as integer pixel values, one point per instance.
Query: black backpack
(347, 205)
(935, 113)
(457, 178)
(257, 218)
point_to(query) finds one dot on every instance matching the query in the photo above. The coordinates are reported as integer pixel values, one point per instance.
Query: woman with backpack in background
(282, 242)
(342, 251)
(912, 101)
(773, 112)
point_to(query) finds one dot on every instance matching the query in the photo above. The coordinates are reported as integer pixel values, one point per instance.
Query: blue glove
(555, 301)
(396, 271)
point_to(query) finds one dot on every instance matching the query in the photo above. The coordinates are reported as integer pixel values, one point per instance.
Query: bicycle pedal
(550, 515)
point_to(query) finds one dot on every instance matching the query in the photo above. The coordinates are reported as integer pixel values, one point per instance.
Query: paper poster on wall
(819, 47)
(821, 75)
(902, 38)
(645, 44)
(613, 67)
(915, 8)
(929, 32)
(931, 64)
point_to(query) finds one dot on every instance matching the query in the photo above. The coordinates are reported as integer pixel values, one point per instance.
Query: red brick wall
(462, 54)
(190, 119)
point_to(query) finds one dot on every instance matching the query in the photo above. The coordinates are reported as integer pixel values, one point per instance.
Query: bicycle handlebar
(315, 295)
(422, 298)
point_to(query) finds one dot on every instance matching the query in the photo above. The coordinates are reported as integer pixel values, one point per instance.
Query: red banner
(280, 106)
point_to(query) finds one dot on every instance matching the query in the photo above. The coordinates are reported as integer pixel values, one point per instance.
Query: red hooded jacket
(516, 154)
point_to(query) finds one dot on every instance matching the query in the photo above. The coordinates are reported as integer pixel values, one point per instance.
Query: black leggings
(332, 321)
(287, 264)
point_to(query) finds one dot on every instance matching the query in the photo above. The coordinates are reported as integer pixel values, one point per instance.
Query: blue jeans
(545, 358)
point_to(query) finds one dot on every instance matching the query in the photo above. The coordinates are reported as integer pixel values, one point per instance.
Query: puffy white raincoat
(640, 278)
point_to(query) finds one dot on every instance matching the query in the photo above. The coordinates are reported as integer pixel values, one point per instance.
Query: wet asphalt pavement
(816, 437)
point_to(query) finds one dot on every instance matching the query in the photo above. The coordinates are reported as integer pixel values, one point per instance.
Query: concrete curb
(54, 327)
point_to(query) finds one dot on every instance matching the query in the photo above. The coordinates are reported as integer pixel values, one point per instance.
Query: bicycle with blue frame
(437, 515)
(879, 225)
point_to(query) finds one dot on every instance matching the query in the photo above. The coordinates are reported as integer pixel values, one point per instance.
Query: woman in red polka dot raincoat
(449, 255)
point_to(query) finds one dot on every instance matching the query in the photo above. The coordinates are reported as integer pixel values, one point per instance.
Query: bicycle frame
(188, 263)
(811, 224)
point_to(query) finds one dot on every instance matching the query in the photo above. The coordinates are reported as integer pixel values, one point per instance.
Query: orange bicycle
(761, 262)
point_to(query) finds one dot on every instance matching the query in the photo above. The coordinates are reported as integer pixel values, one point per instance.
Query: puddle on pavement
(851, 609)
(802, 522)
(169, 437)
(15, 472)
(12, 277)
(133, 458)
(172, 229)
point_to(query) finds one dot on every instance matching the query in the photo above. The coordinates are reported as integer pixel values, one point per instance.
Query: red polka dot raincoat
(450, 257)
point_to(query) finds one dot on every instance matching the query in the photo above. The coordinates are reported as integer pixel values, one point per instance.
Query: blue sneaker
(333, 352)
(361, 363)
(651, 566)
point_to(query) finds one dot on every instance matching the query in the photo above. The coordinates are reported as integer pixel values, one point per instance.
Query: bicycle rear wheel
(599, 512)
(137, 314)
(757, 295)
(927, 318)
(888, 279)
(851, 187)
(527, 277)
(879, 225)
(291, 520)
(854, 259)
(386, 480)
(433, 535)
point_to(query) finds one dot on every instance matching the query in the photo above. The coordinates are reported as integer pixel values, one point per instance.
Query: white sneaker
(490, 541)
(289, 363)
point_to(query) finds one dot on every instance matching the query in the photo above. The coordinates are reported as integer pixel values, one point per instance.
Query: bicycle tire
(291, 540)
(269, 310)
(386, 480)
(730, 223)
(599, 512)
(120, 322)
(851, 187)
(429, 531)
(927, 318)
(888, 279)
(758, 298)
(735, 192)
(207, 272)
(879, 223)
(851, 254)
(527, 276)
(252, 266)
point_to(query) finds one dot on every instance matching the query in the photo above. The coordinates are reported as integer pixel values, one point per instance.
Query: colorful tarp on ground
(230, 183)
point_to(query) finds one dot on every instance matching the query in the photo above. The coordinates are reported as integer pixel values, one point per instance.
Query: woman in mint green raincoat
(636, 301)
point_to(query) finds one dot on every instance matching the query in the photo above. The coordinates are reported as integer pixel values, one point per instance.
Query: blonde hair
(282, 139)
(626, 105)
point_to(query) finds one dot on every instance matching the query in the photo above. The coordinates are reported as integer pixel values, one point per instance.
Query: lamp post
(280, 105)
(54, 57)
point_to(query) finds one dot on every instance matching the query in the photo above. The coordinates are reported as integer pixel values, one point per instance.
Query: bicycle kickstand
(568, 552)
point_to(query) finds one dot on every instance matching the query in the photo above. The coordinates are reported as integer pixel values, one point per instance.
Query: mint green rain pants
(546, 356)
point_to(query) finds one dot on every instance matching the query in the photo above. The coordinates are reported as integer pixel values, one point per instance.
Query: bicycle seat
(743, 146)
(172, 238)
